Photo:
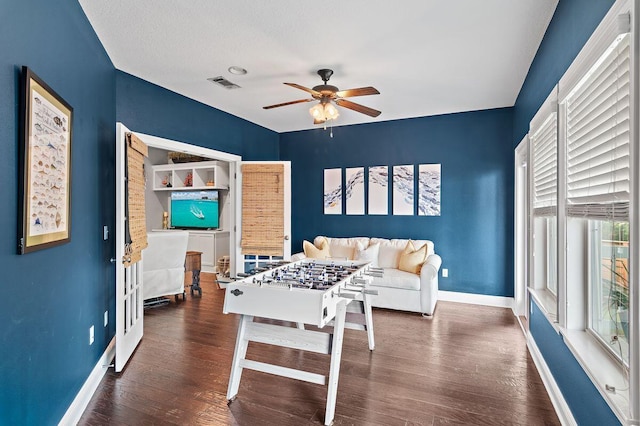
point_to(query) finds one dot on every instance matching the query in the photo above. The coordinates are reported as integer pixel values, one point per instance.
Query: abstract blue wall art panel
(332, 191)
(429, 190)
(403, 190)
(379, 190)
(354, 190)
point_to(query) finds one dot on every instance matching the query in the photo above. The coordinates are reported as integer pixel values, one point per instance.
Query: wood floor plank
(465, 365)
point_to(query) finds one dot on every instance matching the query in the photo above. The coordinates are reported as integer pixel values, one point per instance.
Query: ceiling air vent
(221, 81)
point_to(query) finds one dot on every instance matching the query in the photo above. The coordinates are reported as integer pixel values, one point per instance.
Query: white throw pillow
(368, 254)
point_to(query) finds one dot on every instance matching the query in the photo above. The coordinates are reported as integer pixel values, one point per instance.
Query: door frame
(521, 225)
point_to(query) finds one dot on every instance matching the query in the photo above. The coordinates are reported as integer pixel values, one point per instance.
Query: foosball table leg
(368, 316)
(238, 355)
(336, 355)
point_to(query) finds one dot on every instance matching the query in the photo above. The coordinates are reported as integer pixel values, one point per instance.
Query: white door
(247, 261)
(129, 299)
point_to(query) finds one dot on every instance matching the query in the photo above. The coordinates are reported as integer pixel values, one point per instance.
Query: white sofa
(163, 263)
(400, 290)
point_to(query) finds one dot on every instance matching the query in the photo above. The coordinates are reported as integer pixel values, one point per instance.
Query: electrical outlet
(105, 233)
(445, 273)
(91, 335)
(106, 318)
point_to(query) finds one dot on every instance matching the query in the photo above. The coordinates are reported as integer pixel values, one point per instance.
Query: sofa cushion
(395, 278)
(411, 260)
(390, 250)
(314, 252)
(342, 247)
(368, 254)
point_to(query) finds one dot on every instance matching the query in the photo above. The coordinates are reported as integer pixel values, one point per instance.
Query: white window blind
(545, 166)
(597, 137)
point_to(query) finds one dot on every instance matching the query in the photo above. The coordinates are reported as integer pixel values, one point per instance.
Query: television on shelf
(194, 209)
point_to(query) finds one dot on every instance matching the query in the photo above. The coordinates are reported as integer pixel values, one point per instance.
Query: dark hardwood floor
(468, 365)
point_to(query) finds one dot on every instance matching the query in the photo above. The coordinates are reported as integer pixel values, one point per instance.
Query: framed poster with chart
(45, 166)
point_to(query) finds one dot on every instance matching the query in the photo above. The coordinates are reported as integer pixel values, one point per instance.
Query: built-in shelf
(188, 176)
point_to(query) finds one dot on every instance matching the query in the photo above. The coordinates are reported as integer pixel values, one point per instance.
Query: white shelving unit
(204, 175)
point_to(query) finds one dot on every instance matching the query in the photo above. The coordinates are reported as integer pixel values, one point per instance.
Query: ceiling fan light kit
(323, 111)
(326, 94)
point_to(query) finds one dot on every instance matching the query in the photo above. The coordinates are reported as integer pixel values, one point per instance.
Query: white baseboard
(557, 399)
(476, 299)
(80, 402)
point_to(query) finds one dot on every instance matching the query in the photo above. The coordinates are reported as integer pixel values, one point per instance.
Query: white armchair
(163, 263)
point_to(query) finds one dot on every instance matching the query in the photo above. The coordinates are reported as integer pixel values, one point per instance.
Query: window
(544, 160)
(597, 169)
(609, 285)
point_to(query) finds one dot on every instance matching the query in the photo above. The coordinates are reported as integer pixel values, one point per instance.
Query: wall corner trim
(80, 402)
(557, 399)
(476, 299)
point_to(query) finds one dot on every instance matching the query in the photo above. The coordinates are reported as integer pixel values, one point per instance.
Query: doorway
(160, 147)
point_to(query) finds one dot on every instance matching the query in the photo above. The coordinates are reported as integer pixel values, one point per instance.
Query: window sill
(547, 303)
(602, 369)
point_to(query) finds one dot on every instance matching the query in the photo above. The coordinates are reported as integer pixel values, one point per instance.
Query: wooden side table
(192, 263)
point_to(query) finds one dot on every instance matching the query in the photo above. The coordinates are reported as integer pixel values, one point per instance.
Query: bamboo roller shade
(262, 209)
(136, 151)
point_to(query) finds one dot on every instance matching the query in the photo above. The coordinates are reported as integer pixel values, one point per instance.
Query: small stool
(192, 263)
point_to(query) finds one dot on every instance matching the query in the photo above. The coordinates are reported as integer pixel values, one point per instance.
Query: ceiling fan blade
(288, 103)
(361, 91)
(306, 89)
(357, 107)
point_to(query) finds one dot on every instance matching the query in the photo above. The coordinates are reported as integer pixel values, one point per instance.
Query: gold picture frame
(45, 161)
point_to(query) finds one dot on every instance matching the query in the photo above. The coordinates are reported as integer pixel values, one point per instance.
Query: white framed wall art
(429, 177)
(354, 190)
(332, 191)
(378, 190)
(403, 197)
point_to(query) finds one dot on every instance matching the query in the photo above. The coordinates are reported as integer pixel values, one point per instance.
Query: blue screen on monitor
(194, 209)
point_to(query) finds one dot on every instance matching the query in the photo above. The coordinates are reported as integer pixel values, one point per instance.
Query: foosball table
(315, 292)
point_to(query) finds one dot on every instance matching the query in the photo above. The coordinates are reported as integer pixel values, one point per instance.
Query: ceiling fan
(326, 93)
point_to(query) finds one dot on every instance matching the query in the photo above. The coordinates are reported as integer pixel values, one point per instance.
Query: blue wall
(52, 297)
(147, 108)
(573, 23)
(474, 232)
(583, 398)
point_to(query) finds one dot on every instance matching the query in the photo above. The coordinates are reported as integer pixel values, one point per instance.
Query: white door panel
(240, 259)
(129, 285)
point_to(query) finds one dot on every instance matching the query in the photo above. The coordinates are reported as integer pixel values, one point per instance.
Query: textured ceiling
(426, 57)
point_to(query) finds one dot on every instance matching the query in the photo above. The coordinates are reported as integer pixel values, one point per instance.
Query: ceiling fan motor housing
(326, 90)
